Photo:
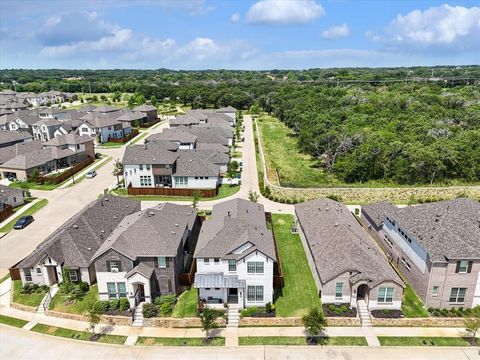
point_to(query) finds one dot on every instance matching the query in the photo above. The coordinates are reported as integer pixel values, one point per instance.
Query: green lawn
(223, 192)
(165, 341)
(7, 320)
(30, 211)
(187, 304)
(299, 293)
(412, 306)
(78, 335)
(139, 137)
(7, 275)
(32, 185)
(26, 299)
(301, 340)
(422, 341)
(78, 306)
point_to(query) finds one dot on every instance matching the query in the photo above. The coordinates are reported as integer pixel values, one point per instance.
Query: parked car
(91, 174)
(23, 222)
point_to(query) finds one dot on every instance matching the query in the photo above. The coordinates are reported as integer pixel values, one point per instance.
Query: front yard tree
(196, 198)
(314, 322)
(207, 319)
(92, 313)
(118, 170)
(252, 196)
(472, 323)
(153, 101)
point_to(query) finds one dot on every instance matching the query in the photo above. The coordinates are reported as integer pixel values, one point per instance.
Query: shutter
(166, 263)
(119, 265)
(457, 269)
(108, 266)
(469, 270)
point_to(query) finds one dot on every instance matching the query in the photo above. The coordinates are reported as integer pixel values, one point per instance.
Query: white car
(91, 174)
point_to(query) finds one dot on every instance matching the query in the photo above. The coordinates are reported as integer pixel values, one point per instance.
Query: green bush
(338, 311)
(386, 311)
(149, 310)
(83, 286)
(331, 307)
(249, 311)
(103, 305)
(30, 288)
(165, 309)
(123, 304)
(444, 312)
(114, 304)
(344, 308)
(165, 299)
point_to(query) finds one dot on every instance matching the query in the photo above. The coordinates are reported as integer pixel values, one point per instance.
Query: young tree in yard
(92, 313)
(118, 170)
(153, 100)
(314, 322)
(472, 323)
(252, 196)
(196, 198)
(232, 169)
(207, 319)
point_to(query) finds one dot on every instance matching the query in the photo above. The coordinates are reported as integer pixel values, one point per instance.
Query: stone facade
(169, 322)
(419, 322)
(295, 321)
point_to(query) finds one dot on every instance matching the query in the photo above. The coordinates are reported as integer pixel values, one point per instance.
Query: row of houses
(13, 101)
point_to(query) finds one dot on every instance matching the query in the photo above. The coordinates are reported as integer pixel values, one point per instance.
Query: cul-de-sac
(300, 181)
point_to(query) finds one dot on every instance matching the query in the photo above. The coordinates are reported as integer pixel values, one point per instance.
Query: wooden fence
(186, 279)
(150, 123)
(278, 281)
(64, 175)
(125, 138)
(171, 192)
(6, 212)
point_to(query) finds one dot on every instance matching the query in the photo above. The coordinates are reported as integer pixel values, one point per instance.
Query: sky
(237, 34)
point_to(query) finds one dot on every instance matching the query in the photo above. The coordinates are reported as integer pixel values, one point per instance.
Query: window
(147, 167)
(254, 293)
(385, 295)
(39, 270)
(145, 180)
(140, 167)
(255, 267)
(206, 261)
(122, 290)
(338, 290)
(112, 294)
(232, 265)
(162, 262)
(114, 266)
(407, 265)
(435, 291)
(28, 275)
(73, 275)
(216, 260)
(182, 180)
(457, 295)
(464, 266)
(217, 289)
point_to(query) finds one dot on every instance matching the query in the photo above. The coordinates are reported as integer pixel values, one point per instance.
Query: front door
(233, 295)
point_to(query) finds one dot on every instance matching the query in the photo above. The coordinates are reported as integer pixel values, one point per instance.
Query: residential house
(230, 111)
(183, 139)
(81, 145)
(235, 256)
(73, 245)
(150, 111)
(45, 129)
(103, 126)
(22, 121)
(11, 197)
(9, 152)
(436, 246)
(347, 264)
(143, 257)
(9, 138)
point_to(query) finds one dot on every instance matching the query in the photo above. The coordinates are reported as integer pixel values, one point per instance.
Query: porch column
(241, 298)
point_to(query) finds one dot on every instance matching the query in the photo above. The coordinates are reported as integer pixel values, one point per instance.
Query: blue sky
(263, 34)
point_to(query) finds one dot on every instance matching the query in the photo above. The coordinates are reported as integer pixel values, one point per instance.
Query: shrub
(44, 287)
(165, 309)
(165, 299)
(430, 310)
(249, 311)
(333, 197)
(114, 304)
(344, 308)
(338, 311)
(149, 310)
(30, 288)
(386, 311)
(103, 305)
(123, 304)
(83, 286)
(331, 307)
(444, 312)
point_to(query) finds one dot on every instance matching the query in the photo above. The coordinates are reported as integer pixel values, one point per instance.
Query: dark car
(23, 222)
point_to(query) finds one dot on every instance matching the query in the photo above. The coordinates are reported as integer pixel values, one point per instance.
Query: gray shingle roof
(87, 107)
(233, 224)
(9, 152)
(174, 135)
(190, 164)
(206, 134)
(105, 109)
(156, 231)
(376, 211)
(228, 109)
(445, 229)
(36, 158)
(9, 136)
(184, 120)
(142, 269)
(130, 116)
(339, 244)
(69, 139)
(213, 147)
(6, 191)
(74, 243)
(152, 153)
(145, 107)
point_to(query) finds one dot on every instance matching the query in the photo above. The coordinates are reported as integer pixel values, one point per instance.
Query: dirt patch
(52, 329)
(149, 341)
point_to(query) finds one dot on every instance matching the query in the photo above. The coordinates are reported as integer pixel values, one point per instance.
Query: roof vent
(176, 225)
(327, 208)
(102, 231)
(114, 217)
(89, 249)
(173, 232)
(348, 224)
(75, 226)
(336, 224)
(151, 213)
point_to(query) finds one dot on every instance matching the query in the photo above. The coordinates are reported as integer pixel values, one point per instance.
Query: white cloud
(235, 18)
(284, 12)
(336, 32)
(442, 27)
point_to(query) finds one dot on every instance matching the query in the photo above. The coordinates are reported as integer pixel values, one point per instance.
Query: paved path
(21, 344)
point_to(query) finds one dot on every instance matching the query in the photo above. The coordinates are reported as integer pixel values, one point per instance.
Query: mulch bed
(391, 314)
(118, 313)
(349, 313)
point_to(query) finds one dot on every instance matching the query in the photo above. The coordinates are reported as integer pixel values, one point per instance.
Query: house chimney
(145, 142)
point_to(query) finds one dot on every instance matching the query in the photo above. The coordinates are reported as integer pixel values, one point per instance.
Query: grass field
(422, 341)
(223, 192)
(78, 335)
(301, 340)
(299, 293)
(78, 305)
(7, 320)
(30, 211)
(412, 306)
(186, 305)
(165, 341)
(26, 299)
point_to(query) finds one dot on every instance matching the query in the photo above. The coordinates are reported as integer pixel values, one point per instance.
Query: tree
(314, 322)
(118, 170)
(207, 319)
(196, 198)
(92, 313)
(153, 100)
(252, 196)
(472, 323)
(232, 169)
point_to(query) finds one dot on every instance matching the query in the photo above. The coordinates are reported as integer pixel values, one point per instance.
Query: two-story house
(146, 252)
(347, 265)
(235, 256)
(150, 112)
(44, 129)
(436, 246)
(104, 126)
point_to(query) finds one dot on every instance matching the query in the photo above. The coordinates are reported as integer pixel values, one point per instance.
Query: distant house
(44, 129)
(81, 145)
(183, 139)
(73, 245)
(9, 138)
(346, 262)
(104, 126)
(150, 111)
(235, 256)
(230, 111)
(22, 121)
(436, 246)
(143, 256)
(11, 196)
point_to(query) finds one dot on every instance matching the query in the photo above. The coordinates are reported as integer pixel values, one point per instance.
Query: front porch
(217, 289)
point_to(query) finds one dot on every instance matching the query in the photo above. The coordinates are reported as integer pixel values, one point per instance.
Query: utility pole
(89, 87)
(14, 85)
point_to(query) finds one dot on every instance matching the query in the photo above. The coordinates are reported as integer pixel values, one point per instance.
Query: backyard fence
(64, 175)
(125, 138)
(171, 192)
(6, 212)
